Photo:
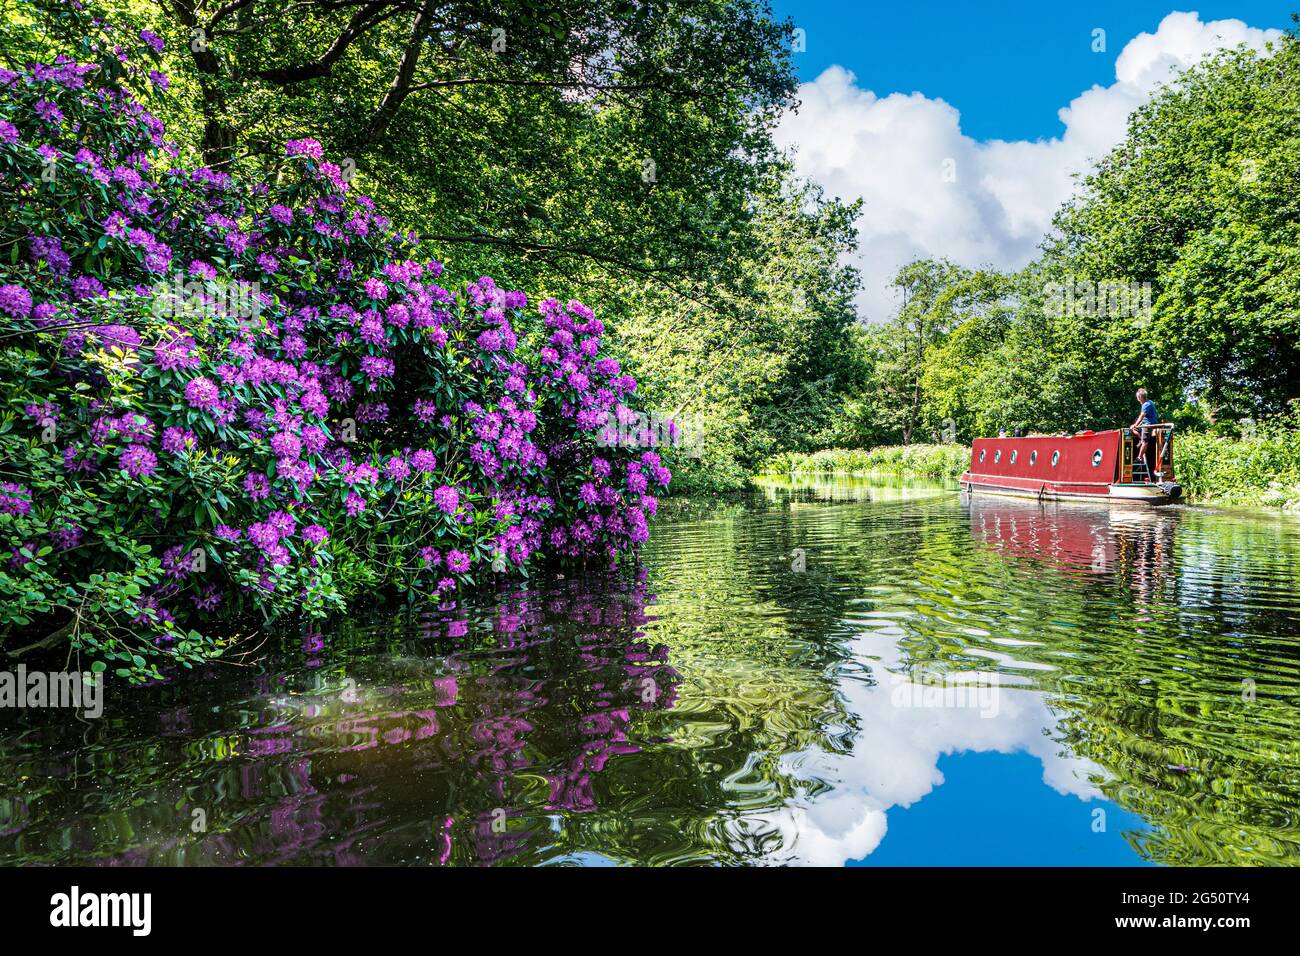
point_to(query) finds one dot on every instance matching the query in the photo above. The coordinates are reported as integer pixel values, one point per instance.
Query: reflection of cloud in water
(895, 758)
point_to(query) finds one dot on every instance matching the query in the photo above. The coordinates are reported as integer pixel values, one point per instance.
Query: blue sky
(1007, 66)
(994, 809)
(963, 127)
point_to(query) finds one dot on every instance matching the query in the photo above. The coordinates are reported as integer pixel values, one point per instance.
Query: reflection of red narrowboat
(1110, 466)
(1070, 538)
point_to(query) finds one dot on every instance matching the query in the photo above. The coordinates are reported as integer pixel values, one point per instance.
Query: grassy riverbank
(915, 461)
(1260, 470)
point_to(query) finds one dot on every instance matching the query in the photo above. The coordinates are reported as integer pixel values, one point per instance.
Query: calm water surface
(830, 671)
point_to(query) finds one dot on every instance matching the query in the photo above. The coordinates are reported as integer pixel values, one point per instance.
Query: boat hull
(1141, 495)
(1085, 466)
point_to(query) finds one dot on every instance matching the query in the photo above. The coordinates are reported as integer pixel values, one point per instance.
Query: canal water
(827, 671)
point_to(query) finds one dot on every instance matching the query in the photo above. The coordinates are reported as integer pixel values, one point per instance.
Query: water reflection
(1123, 684)
(1135, 545)
(455, 741)
(1186, 692)
(846, 488)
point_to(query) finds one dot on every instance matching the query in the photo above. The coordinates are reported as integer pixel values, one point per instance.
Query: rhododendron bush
(229, 398)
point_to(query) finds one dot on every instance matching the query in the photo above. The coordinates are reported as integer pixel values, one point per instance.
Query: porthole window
(1033, 458)
(1096, 458)
(1014, 453)
(997, 456)
(983, 452)
(1056, 456)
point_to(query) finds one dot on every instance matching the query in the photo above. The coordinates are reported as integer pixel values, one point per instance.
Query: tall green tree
(958, 371)
(1200, 200)
(762, 366)
(929, 290)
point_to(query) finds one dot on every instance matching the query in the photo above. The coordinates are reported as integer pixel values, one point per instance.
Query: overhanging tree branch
(371, 15)
(593, 86)
(225, 10)
(400, 87)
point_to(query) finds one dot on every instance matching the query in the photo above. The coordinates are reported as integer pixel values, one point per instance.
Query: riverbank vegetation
(1259, 468)
(620, 152)
(243, 397)
(913, 461)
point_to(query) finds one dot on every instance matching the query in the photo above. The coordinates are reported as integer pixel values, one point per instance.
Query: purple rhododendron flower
(397, 469)
(176, 563)
(15, 499)
(447, 499)
(15, 301)
(286, 392)
(176, 440)
(257, 486)
(304, 147)
(202, 393)
(138, 461)
(203, 270)
(67, 537)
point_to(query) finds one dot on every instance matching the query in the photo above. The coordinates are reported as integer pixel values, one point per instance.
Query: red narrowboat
(1112, 466)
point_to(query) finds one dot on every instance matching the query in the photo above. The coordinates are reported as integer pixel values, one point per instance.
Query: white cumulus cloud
(930, 190)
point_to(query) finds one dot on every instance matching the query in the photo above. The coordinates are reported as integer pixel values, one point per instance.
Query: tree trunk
(218, 138)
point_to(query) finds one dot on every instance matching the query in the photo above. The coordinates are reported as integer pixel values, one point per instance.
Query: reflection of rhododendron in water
(427, 748)
(604, 736)
(599, 720)
(500, 743)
